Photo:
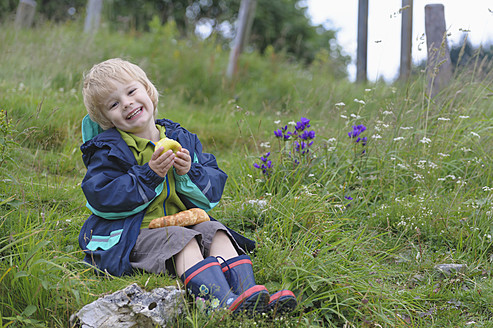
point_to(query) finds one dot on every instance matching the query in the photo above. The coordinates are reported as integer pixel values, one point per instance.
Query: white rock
(131, 307)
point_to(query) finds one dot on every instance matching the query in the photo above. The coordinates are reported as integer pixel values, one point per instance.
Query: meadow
(353, 211)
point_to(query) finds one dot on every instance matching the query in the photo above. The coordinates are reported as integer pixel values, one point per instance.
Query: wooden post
(245, 20)
(406, 39)
(93, 15)
(362, 51)
(439, 66)
(24, 16)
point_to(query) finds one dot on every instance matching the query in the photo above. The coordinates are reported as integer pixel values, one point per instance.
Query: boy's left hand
(183, 162)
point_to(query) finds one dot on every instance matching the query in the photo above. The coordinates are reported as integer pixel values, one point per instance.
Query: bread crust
(182, 219)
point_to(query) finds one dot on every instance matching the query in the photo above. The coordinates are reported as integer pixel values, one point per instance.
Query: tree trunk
(245, 20)
(362, 51)
(93, 16)
(24, 16)
(439, 66)
(406, 39)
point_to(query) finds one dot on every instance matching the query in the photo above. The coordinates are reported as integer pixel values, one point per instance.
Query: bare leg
(189, 256)
(222, 246)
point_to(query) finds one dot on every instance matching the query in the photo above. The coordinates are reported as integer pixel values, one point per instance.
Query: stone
(132, 307)
(448, 269)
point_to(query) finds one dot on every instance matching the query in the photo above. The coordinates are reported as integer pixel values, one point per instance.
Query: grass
(421, 192)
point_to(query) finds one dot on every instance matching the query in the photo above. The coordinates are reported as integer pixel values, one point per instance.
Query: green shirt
(167, 202)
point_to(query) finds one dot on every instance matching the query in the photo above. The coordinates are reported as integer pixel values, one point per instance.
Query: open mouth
(135, 112)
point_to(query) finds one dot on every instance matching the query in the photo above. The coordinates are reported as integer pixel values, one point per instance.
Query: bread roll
(182, 219)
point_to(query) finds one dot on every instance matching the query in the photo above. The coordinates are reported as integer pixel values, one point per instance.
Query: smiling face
(129, 108)
(106, 82)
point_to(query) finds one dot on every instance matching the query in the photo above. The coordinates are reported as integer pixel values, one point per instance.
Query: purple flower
(266, 165)
(348, 197)
(306, 135)
(357, 130)
(281, 133)
(264, 159)
(302, 124)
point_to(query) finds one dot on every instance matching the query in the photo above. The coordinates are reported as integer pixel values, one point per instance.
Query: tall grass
(356, 235)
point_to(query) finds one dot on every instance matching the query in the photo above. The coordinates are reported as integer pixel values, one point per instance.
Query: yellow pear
(168, 144)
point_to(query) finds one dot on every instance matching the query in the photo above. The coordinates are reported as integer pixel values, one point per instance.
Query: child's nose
(127, 101)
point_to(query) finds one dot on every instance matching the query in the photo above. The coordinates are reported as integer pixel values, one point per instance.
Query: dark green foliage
(465, 54)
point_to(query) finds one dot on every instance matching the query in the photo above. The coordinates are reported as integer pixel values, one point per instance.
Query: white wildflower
(265, 144)
(398, 138)
(486, 188)
(425, 140)
(443, 155)
(340, 104)
(387, 112)
(406, 127)
(362, 102)
(332, 140)
(475, 134)
(367, 90)
(343, 116)
(259, 203)
(277, 122)
(292, 123)
(376, 136)
(463, 116)
(443, 119)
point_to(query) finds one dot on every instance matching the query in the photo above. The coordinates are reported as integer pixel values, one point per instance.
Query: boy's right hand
(162, 163)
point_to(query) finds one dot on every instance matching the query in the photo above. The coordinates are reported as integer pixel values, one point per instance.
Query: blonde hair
(98, 85)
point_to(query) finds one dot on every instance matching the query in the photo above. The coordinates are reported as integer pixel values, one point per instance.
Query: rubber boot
(239, 274)
(206, 280)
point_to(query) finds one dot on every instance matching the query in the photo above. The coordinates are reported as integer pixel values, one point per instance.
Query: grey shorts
(154, 250)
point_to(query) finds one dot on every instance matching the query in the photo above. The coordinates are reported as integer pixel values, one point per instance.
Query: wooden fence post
(93, 15)
(406, 39)
(24, 16)
(245, 20)
(362, 50)
(439, 66)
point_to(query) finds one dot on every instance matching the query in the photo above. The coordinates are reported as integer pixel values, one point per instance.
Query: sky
(471, 17)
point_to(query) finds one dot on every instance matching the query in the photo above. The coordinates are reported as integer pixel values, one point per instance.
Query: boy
(128, 183)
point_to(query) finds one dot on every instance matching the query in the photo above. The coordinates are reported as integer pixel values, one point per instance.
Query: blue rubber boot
(206, 280)
(239, 274)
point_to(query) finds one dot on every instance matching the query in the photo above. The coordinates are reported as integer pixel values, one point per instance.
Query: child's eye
(132, 91)
(113, 105)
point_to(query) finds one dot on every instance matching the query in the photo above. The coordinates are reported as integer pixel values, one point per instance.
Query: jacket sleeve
(115, 189)
(203, 185)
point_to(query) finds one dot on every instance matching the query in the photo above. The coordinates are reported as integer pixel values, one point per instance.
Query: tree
(282, 24)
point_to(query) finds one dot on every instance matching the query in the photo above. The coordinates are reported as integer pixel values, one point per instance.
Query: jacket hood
(90, 129)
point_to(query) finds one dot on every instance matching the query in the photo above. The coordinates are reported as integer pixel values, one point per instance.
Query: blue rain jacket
(118, 191)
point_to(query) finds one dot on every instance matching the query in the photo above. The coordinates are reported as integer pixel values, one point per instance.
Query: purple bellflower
(266, 165)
